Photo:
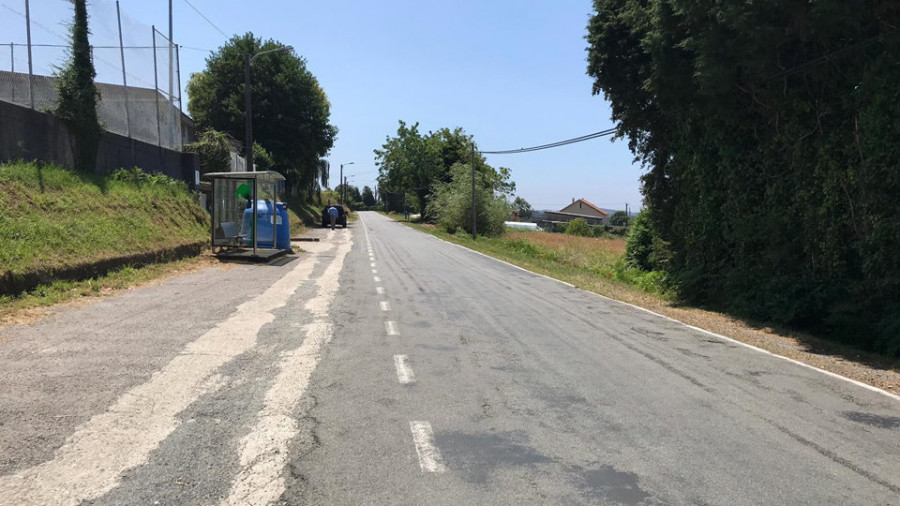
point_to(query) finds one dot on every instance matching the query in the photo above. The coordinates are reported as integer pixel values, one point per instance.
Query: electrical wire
(206, 18)
(566, 142)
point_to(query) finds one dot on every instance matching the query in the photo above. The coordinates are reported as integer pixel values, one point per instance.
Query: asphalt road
(384, 366)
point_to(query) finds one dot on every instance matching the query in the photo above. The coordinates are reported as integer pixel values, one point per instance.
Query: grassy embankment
(54, 220)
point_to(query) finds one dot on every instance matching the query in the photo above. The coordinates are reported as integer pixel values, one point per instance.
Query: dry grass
(585, 245)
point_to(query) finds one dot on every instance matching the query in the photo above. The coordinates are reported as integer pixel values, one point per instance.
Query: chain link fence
(139, 86)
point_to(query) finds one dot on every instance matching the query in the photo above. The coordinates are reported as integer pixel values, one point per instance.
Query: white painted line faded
(385, 305)
(391, 328)
(377, 279)
(374, 271)
(93, 459)
(692, 327)
(404, 372)
(264, 450)
(430, 460)
(372, 264)
(379, 290)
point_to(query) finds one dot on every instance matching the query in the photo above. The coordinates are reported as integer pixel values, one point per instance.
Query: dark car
(341, 218)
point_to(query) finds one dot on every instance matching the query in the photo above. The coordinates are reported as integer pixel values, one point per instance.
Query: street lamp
(341, 181)
(248, 61)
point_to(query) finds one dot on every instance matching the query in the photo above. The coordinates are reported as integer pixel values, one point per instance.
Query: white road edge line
(429, 456)
(385, 305)
(404, 372)
(391, 328)
(698, 329)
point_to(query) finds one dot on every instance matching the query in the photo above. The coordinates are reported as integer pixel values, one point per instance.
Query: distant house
(580, 208)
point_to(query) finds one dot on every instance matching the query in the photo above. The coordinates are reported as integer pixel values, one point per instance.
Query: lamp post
(341, 181)
(248, 61)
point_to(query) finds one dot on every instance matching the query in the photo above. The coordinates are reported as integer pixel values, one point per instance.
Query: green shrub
(579, 226)
(214, 151)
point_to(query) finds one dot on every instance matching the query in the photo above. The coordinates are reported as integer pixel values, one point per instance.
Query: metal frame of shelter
(230, 193)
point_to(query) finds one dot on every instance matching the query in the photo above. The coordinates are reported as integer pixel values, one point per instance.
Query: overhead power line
(206, 18)
(566, 142)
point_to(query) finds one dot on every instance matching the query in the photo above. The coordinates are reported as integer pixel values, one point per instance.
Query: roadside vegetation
(768, 134)
(54, 219)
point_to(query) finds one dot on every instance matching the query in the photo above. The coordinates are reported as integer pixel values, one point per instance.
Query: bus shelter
(249, 218)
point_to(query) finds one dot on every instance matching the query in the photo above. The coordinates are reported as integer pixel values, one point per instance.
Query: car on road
(341, 219)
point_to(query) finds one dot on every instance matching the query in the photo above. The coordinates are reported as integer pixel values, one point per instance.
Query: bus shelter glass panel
(232, 198)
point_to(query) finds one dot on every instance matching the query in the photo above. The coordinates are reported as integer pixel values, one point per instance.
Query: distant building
(580, 208)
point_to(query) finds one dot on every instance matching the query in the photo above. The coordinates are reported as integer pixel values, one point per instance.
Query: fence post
(12, 68)
(124, 79)
(156, 90)
(30, 69)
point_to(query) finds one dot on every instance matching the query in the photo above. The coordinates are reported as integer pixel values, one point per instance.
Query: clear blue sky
(511, 73)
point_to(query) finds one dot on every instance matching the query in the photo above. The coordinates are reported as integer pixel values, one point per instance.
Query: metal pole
(12, 68)
(341, 180)
(344, 191)
(30, 69)
(474, 214)
(255, 213)
(178, 75)
(248, 113)
(173, 128)
(124, 79)
(156, 90)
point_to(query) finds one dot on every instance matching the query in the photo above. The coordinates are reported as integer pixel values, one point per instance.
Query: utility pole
(172, 116)
(474, 213)
(248, 124)
(341, 180)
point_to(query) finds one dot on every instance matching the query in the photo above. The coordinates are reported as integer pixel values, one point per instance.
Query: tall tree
(368, 198)
(769, 133)
(412, 164)
(291, 112)
(78, 95)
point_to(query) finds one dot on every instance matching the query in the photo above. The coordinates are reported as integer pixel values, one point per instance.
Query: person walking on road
(332, 215)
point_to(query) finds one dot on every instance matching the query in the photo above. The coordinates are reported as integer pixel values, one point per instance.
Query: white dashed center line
(372, 264)
(377, 279)
(404, 372)
(429, 456)
(385, 305)
(391, 328)
(379, 290)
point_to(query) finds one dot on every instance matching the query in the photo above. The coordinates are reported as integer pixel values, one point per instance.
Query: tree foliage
(769, 131)
(290, 109)
(618, 219)
(450, 204)
(523, 207)
(368, 197)
(214, 151)
(411, 165)
(78, 95)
